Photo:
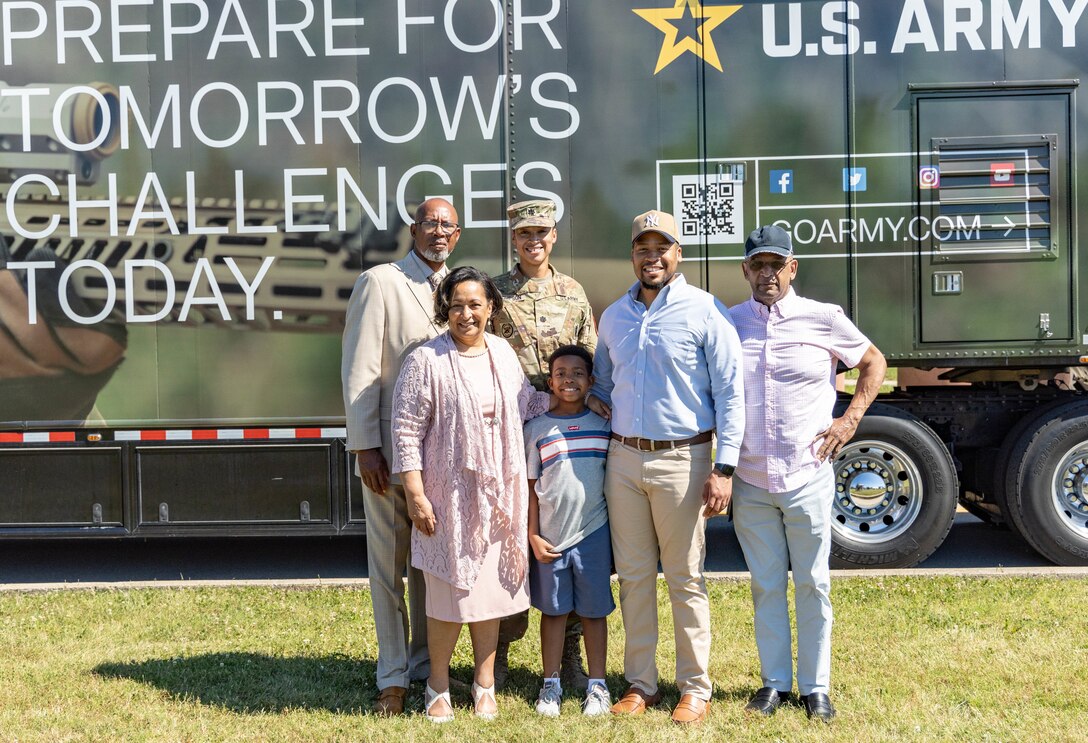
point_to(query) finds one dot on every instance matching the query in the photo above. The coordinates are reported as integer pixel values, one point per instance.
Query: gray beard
(435, 256)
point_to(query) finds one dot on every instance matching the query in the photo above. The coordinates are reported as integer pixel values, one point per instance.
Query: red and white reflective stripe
(38, 437)
(198, 434)
(230, 434)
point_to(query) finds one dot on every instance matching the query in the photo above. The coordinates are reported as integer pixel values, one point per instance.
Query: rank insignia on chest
(507, 330)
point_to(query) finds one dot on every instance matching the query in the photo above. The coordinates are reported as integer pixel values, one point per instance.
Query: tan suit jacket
(390, 313)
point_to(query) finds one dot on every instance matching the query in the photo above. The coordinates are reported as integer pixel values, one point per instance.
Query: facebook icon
(781, 181)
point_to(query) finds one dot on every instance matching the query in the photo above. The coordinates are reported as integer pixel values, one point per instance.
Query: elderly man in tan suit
(390, 313)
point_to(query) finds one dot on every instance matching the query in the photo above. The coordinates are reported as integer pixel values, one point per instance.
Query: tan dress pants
(655, 513)
(401, 627)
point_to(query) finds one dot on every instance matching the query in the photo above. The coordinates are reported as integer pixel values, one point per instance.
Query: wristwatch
(725, 470)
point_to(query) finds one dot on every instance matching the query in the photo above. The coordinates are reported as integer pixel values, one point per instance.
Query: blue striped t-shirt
(566, 457)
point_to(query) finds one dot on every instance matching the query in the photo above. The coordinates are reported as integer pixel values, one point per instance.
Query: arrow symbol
(1011, 225)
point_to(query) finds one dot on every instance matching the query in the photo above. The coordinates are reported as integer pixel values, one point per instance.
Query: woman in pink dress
(458, 410)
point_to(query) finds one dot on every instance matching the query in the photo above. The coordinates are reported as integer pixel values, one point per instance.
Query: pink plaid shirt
(790, 352)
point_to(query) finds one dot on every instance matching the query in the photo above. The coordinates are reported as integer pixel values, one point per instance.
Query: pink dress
(459, 420)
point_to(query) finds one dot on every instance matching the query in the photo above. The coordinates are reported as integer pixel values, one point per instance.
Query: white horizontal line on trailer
(855, 205)
(890, 254)
(780, 158)
(838, 156)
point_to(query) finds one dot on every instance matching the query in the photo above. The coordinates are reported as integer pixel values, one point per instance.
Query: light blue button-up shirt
(674, 370)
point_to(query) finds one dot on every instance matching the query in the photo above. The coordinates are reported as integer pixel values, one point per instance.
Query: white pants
(779, 532)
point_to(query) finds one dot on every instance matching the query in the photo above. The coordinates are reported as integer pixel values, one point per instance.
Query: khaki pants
(401, 657)
(655, 513)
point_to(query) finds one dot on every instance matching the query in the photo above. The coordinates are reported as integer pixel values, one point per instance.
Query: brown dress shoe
(390, 701)
(635, 701)
(690, 710)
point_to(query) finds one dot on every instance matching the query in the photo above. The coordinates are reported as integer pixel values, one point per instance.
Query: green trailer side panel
(1004, 174)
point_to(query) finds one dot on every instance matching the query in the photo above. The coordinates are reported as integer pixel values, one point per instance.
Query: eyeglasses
(776, 267)
(430, 226)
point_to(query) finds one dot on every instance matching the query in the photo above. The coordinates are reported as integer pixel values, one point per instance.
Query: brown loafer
(635, 701)
(390, 701)
(690, 710)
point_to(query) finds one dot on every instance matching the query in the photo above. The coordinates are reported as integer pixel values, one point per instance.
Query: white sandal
(431, 697)
(478, 693)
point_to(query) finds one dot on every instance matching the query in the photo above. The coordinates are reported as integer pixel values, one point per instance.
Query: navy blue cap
(769, 239)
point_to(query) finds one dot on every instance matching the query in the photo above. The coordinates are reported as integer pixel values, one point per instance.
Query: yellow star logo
(712, 17)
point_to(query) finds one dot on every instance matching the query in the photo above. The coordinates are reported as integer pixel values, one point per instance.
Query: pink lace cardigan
(438, 428)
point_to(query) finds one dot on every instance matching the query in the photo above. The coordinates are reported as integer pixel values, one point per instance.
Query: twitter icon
(853, 179)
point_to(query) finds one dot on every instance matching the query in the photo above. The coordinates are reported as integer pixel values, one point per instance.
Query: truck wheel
(1050, 503)
(1011, 453)
(895, 493)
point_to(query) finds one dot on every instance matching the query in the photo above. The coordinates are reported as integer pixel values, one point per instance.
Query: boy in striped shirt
(571, 563)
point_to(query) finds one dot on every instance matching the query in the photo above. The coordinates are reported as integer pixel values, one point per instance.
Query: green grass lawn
(922, 659)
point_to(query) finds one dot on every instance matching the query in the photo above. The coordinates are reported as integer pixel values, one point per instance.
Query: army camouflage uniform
(537, 317)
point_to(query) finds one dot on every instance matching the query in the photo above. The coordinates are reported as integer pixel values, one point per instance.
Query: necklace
(478, 383)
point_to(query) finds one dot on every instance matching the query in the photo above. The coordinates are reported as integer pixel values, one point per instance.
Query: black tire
(1047, 484)
(896, 493)
(1012, 452)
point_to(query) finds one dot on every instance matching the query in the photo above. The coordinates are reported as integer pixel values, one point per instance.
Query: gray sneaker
(547, 701)
(598, 701)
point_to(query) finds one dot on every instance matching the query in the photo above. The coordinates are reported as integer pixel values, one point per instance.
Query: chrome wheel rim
(878, 492)
(1069, 490)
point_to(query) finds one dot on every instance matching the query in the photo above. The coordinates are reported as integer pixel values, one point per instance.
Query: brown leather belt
(651, 445)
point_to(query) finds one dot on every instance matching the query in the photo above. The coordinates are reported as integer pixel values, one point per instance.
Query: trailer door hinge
(1044, 325)
(304, 510)
(96, 513)
(164, 512)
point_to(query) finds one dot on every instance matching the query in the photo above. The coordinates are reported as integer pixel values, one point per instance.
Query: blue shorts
(578, 581)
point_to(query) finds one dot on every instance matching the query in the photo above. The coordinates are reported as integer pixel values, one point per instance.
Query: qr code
(708, 208)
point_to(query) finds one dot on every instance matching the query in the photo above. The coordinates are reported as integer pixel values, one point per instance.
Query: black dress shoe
(766, 701)
(817, 704)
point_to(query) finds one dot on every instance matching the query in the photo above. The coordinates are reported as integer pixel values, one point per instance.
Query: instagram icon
(929, 176)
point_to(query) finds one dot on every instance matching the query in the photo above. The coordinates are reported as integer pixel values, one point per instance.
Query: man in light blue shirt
(668, 363)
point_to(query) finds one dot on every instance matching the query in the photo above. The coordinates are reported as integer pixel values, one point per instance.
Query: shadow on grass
(253, 682)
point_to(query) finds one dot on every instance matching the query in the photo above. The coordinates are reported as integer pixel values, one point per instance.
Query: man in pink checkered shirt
(784, 484)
